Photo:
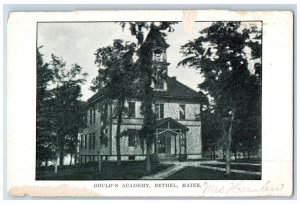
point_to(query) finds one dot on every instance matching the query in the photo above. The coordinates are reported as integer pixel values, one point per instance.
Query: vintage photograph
(149, 101)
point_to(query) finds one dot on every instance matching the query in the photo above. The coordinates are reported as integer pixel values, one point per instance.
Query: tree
(219, 53)
(147, 73)
(115, 78)
(247, 136)
(65, 106)
(211, 131)
(78, 123)
(44, 138)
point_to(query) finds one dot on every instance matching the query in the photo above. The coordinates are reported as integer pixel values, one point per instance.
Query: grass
(198, 173)
(254, 168)
(254, 161)
(129, 170)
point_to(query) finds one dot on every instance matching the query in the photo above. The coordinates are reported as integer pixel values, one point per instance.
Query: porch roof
(170, 123)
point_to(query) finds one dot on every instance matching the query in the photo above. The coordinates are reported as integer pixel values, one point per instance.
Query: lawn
(198, 173)
(253, 168)
(254, 161)
(129, 170)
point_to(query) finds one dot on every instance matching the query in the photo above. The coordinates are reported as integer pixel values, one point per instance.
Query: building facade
(178, 126)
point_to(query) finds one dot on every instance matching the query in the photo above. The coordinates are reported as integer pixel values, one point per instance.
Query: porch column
(180, 141)
(155, 145)
(184, 142)
(175, 144)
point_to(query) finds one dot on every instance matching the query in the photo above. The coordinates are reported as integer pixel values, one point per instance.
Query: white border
(15, 96)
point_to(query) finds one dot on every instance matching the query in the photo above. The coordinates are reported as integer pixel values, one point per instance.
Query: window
(90, 141)
(157, 55)
(85, 141)
(91, 116)
(182, 112)
(131, 158)
(105, 112)
(159, 84)
(131, 109)
(132, 137)
(159, 111)
(81, 142)
(104, 137)
(94, 115)
(94, 141)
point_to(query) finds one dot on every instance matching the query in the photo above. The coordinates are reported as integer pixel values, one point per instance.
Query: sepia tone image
(148, 101)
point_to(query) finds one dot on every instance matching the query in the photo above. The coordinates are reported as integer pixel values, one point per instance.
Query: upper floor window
(182, 112)
(103, 115)
(91, 116)
(159, 84)
(159, 111)
(94, 115)
(131, 109)
(159, 55)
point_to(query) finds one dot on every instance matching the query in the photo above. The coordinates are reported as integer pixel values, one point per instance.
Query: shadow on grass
(253, 168)
(129, 170)
(253, 161)
(198, 173)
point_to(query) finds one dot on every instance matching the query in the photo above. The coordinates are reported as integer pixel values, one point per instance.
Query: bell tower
(159, 60)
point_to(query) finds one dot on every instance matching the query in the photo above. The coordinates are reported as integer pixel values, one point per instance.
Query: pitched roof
(175, 90)
(156, 37)
(98, 96)
(170, 123)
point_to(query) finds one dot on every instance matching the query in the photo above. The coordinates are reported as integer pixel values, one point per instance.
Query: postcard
(160, 103)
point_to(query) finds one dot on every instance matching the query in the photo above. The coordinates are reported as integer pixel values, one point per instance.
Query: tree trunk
(248, 150)
(56, 163)
(248, 154)
(215, 157)
(75, 158)
(228, 146)
(71, 159)
(61, 156)
(143, 146)
(235, 153)
(76, 153)
(148, 159)
(100, 162)
(119, 121)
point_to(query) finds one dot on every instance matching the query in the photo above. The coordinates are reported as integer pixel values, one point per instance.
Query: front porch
(170, 139)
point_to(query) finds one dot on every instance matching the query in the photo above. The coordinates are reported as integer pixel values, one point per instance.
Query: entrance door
(168, 145)
(161, 143)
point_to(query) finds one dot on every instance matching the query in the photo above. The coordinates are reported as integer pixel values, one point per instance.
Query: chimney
(174, 77)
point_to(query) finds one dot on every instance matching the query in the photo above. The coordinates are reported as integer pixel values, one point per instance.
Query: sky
(77, 43)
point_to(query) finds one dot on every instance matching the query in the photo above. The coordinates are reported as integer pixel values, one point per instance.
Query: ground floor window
(133, 135)
(104, 137)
